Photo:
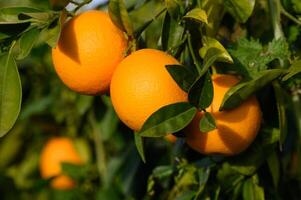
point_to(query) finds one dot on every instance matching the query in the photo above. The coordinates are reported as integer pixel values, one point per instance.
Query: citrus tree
(150, 99)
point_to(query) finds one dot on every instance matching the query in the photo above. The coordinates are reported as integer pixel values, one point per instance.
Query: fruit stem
(275, 6)
(79, 5)
(288, 15)
(190, 47)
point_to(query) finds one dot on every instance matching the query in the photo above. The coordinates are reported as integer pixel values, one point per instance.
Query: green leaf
(175, 8)
(120, 17)
(254, 58)
(13, 15)
(27, 41)
(145, 13)
(212, 55)
(242, 91)
(241, 10)
(293, 70)
(252, 191)
(280, 102)
(207, 123)
(182, 75)
(77, 172)
(209, 43)
(168, 119)
(139, 146)
(274, 167)
(10, 93)
(201, 92)
(172, 33)
(51, 34)
(162, 172)
(198, 15)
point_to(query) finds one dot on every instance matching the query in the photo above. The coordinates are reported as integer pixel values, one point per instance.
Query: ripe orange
(88, 51)
(236, 128)
(141, 85)
(56, 151)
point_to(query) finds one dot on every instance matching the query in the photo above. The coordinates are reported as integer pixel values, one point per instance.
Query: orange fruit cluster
(89, 59)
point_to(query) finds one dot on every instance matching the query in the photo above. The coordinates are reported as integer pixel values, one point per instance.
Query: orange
(56, 151)
(236, 128)
(88, 51)
(141, 85)
(171, 138)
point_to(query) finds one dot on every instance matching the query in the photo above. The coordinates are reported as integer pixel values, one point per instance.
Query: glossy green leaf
(27, 41)
(242, 91)
(201, 92)
(175, 8)
(207, 123)
(212, 55)
(209, 43)
(198, 15)
(172, 33)
(120, 16)
(168, 119)
(293, 70)
(10, 93)
(139, 146)
(182, 75)
(241, 10)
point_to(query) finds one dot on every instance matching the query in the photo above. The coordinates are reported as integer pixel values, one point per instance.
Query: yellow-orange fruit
(141, 85)
(88, 51)
(171, 138)
(56, 151)
(236, 128)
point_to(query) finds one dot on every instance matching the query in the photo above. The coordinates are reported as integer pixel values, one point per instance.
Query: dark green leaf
(120, 17)
(241, 10)
(168, 119)
(274, 168)
(139, 146)
(198, 15)
(10, 93)
(172, 33)
(209, 43)
(293, 70)
(280, 102)
(27, 41)
(145, 13)
(175, 8)
(201, 93)
(182, 75)
(242, 91)
(207, 123)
